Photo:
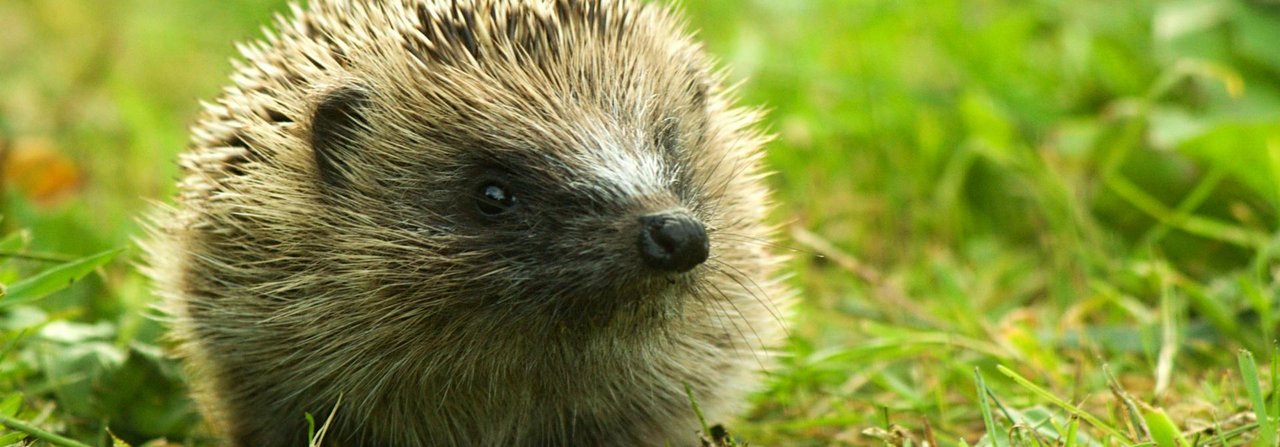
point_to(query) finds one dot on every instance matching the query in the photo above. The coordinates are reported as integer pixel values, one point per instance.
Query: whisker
(759, 340)
(711, 172)
(768, 243)
(738, 168)
(765, 302)
(723, 312)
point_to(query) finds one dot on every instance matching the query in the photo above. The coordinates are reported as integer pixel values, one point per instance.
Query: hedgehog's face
(581, 212)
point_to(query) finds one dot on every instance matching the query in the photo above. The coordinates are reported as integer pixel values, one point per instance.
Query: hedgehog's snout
(673, 241)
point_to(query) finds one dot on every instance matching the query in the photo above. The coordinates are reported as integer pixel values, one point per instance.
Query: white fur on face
(626, 174)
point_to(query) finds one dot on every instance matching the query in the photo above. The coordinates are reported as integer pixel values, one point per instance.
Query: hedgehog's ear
(336, 125)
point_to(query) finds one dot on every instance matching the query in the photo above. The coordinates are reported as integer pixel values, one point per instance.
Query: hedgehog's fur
(325, 250)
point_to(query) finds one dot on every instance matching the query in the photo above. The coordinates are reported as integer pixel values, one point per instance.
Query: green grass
(1013, 222)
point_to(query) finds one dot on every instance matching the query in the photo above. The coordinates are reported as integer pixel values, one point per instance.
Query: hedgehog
(472, 222)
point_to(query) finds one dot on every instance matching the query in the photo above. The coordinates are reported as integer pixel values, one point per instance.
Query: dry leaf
(39, 171)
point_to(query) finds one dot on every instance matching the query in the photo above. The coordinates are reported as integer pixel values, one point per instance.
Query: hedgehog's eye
(494, 198)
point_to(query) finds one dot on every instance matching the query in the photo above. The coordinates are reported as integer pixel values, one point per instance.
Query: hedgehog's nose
(673, 241)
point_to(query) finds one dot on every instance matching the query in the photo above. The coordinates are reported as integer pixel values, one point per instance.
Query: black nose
(673, 241)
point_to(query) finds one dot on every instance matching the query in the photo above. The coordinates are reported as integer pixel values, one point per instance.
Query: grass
(1013, 222)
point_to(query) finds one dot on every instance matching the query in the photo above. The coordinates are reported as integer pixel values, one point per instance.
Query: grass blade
(984, 403)
(1074, 410)
(35, 432)
(1072, 428)
(1162, 429)
(54, 279)
(1275, 378)
(1266, 424)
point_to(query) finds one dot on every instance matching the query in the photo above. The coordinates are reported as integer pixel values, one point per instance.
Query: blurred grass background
(1052, 186)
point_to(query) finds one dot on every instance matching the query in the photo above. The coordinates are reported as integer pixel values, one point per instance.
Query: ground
(1010, 222)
